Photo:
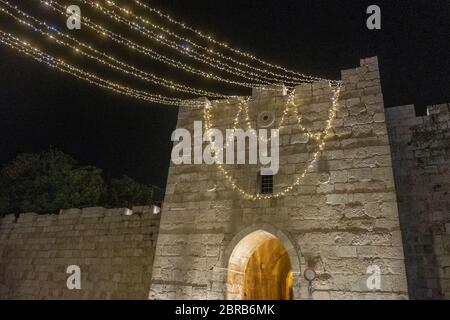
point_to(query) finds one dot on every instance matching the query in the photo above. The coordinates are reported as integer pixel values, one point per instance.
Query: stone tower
(340, 220)
(421, 159)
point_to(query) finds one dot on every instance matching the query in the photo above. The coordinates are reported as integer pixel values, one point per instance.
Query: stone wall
(340, 220)
(114, 251)
(421, 156)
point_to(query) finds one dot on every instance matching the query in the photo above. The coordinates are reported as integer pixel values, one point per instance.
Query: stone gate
(340, 220)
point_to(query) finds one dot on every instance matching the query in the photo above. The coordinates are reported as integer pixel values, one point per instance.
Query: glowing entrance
(259, 269)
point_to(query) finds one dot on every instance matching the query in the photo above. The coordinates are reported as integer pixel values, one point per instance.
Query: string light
(151, 53)
(321, 137)
(123, 67)
(145, 50)
(59, 64)
(226, 46)
(27, 49)
(212, 62)
(279, 77)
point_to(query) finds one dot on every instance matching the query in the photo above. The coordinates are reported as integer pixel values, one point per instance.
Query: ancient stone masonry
(114, 251)
(340, 220)
(421, 158)
(347, 214)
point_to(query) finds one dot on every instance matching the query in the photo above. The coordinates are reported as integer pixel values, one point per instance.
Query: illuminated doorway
(259, 269)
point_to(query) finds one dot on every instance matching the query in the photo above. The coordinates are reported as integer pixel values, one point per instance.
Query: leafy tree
(47, 182)
(125, 192)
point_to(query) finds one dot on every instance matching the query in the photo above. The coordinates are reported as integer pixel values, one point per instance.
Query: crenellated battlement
(404, 125)
(406, 115)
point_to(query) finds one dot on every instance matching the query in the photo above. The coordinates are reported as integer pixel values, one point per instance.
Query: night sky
(41, 107)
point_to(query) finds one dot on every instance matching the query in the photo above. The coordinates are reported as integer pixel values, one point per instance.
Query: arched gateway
(259, 269)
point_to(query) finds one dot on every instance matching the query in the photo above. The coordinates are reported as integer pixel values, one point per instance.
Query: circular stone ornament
(310, 275)
(266, 119)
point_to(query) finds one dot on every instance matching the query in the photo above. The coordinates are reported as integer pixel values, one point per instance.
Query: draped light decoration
(183, 49)
(27, 49)
(191, 52)
(179, 47)
(145, 50)
(42, 28)
(319, 136)
(211, 39)
(242, 69)
(258, 76)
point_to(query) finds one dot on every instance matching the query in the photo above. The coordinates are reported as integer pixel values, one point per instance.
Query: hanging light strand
(276, 77)
(31, 51)
(184, 50)
(282, 123)
(103, 32)
(118, 65)
(321, 146)
(226, 46)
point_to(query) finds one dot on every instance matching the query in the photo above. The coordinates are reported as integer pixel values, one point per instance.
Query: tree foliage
(47, 182)
(52, 180)
(125, 192)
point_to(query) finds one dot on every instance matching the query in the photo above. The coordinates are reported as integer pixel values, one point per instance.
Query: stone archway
(260, 268)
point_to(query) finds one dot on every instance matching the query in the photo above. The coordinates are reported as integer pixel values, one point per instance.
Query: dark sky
(40, 107)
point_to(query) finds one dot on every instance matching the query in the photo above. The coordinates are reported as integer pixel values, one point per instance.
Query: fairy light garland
(191, 53)
(226, 46)
(123, 67)
(103, 32)
(281, 124)
(61, 65)
(321, 137)
(27, 49)
(277, 77)
(116, 64)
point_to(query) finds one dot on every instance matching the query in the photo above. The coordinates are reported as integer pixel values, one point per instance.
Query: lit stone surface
(114, 251)
(341, 219)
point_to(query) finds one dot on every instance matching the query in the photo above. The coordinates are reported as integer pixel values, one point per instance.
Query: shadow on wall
(421, 159)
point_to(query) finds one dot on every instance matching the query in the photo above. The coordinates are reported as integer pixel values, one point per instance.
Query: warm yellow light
(207, 116)
(100, 56)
